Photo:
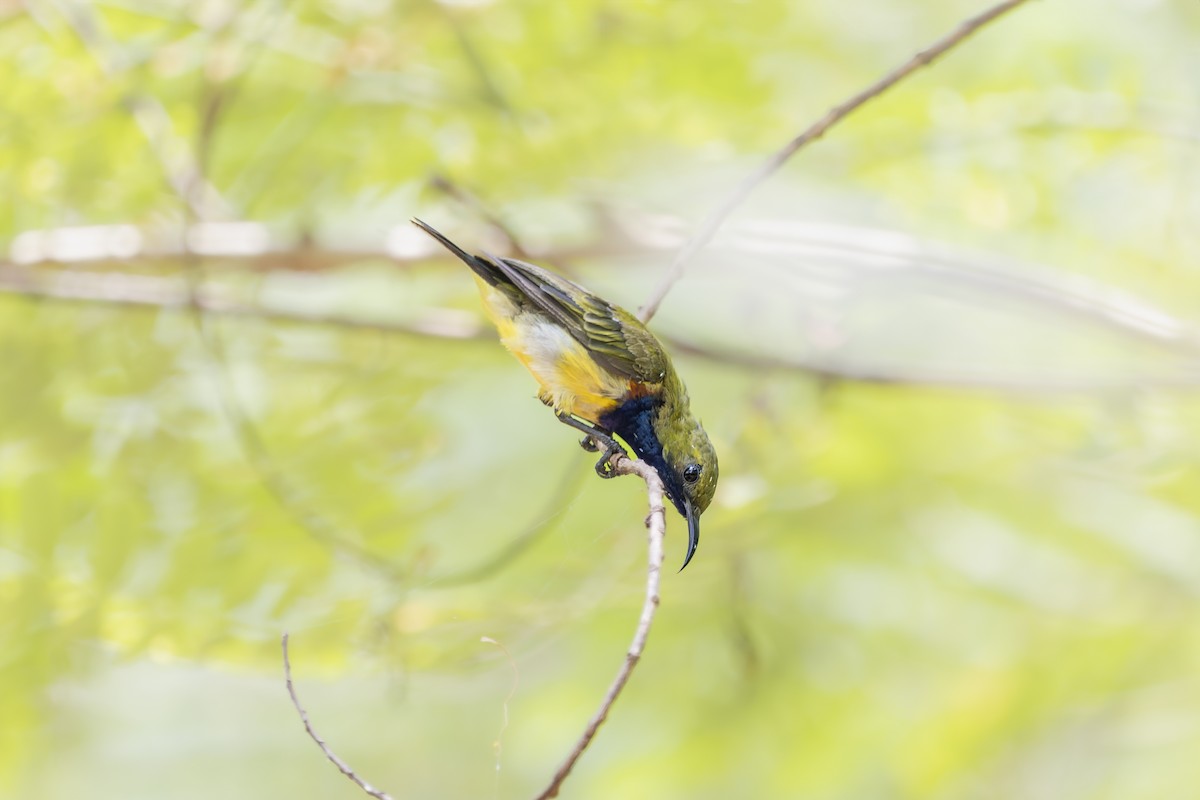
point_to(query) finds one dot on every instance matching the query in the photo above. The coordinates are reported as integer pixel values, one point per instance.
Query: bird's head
(690, 477)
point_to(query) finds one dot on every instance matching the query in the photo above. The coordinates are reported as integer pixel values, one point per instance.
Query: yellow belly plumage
(571, 381)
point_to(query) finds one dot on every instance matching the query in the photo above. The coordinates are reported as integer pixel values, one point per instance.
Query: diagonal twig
(342, 766)
(718, 215)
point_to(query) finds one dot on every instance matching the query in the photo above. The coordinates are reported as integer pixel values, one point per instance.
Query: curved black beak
(693, 521)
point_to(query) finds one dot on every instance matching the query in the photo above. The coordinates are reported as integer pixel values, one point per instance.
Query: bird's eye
(691, 473)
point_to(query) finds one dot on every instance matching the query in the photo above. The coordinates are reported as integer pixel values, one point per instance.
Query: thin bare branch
(656, 526)
(714, 220)
(342, 766)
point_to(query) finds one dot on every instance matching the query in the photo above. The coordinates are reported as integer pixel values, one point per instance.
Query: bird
(602, 372)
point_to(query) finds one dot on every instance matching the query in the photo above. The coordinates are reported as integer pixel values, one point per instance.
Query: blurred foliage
(903, 590)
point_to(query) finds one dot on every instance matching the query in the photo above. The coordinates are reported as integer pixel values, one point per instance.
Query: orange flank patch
(638, 389)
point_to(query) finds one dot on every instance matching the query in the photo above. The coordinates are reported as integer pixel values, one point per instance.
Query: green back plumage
(616, 339)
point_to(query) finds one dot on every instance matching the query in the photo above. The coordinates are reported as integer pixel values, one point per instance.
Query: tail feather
(481, 266)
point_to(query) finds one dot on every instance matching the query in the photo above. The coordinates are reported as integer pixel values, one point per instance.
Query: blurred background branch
(891, 260)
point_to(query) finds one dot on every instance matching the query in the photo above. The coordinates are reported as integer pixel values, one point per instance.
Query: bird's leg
(595, 434)
(593, 441)
(587, 442)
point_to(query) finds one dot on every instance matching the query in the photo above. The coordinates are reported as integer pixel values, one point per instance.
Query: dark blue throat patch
(633, 421)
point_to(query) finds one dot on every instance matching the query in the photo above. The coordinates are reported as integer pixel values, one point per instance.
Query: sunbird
(602, 371)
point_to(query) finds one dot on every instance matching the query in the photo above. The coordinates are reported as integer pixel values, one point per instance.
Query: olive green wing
(616, 339)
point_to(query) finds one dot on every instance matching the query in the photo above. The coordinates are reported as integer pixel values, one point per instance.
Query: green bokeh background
(945, 356)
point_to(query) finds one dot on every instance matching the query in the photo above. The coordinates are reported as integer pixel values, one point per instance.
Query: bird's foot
(595, 439)
(604, 467)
